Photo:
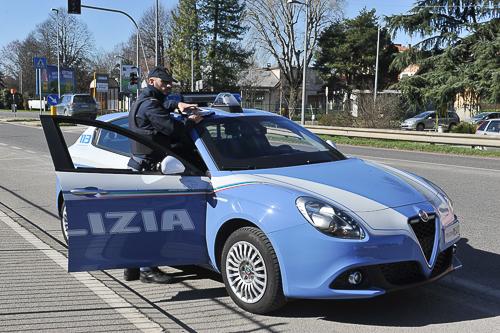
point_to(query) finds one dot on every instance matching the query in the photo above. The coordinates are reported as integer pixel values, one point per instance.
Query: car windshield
(244, 143)
(83, 99)
(424, 114)
(481, 115)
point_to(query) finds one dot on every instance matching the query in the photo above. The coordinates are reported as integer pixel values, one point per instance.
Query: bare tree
(76, 44)
(17, 57)
(276, 26)
(148, 35)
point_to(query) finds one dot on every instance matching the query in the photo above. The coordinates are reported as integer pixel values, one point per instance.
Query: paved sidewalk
(37, 294)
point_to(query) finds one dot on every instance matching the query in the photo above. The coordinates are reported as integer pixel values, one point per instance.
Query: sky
(110, 29)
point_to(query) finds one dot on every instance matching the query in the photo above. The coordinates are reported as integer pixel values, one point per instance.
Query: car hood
(358, 185)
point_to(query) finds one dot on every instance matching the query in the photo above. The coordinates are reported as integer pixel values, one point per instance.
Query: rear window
(83, 99)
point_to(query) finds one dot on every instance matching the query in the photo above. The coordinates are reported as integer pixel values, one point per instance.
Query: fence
(427, 137)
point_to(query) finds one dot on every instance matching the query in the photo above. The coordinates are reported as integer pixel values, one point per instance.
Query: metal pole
(156, 32)
(133, 21)
(376, 66)
(58, 55)
(192, 69)
(21, 81)
(137, 62)
(40, 87)
(303, 111)
(120, 94)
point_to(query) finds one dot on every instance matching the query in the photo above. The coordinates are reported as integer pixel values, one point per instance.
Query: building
(266, 89)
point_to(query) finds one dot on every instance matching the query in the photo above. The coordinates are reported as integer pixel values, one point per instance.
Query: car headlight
(329, 219)
(442, 193)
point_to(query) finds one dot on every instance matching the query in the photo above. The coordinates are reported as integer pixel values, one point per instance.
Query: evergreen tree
(458, 55)
(347, 54)
(225, 57)
(185, 36)
(443, 22)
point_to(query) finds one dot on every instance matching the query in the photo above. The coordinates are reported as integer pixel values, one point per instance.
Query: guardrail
(472, 140)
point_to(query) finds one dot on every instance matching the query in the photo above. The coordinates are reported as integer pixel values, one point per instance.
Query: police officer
(150, 117)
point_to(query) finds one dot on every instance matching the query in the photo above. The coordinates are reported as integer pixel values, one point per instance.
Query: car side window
(112, 141)
(494, 127)
(482, 126)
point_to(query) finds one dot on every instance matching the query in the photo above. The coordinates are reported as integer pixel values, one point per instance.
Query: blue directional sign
(40, 62)
(52, 99)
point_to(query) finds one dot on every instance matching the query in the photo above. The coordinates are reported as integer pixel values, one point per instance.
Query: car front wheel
(251, 272)
(63, 216)
(420, 127)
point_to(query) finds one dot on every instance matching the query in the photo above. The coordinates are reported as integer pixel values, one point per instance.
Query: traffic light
(74, 6)
(133, 78)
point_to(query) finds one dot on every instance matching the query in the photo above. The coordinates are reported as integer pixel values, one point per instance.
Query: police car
(279, 212)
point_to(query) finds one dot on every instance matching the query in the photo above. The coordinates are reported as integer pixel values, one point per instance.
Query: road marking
(17, 148)
(421, 162)
(30, 151)
(3, 144)
(115, 301)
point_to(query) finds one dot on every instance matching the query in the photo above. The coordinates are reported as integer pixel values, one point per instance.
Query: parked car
(480, 117)
(276, 210)
(77, 105)
(427, 121)
(489, 127)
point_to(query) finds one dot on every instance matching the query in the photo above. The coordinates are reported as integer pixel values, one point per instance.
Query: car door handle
(88, 191)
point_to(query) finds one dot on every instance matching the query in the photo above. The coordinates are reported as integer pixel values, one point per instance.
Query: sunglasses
(167, 83)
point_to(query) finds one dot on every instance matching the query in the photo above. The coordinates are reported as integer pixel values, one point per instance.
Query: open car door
(120, 218)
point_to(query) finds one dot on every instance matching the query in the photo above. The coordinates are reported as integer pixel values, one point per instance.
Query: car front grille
(425, 233)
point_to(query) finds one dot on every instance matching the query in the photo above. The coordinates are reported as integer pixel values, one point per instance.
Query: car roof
(218, 113)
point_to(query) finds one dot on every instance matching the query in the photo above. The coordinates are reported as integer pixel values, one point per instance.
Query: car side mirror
(172, 166)
(331, 144)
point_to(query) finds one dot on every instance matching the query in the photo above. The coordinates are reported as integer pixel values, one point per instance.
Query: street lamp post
(376, 67)
(58, 61)
(120, 94)
(304, 70)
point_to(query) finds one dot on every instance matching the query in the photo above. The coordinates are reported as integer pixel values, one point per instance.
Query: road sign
(40, 62)
(52, 99)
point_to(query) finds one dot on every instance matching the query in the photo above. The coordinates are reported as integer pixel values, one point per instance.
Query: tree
(147, 28)
(470, 69)
(442, 23)
(76, 45)
(347, 54)
(223, 27)
(458, 55)
(17, 57)
(275, 27)
(185, 36)
(2, 83)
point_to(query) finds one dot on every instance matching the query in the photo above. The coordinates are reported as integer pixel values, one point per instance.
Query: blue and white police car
(276, 210)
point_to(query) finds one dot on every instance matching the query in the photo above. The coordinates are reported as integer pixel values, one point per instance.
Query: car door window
(482, 126)
(112, 141)
(494, 127)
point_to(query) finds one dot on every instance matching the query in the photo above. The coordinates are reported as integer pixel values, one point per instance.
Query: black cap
(161, 73)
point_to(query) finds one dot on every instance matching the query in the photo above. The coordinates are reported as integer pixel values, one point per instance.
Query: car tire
(250, 271)
(63, 217)
(451, 127)
(420, 127)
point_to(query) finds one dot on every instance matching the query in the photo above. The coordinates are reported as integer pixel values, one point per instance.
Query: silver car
(427, 121)
(489, 127)
(77, 105)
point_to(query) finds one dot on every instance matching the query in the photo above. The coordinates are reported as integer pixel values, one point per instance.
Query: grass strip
(412, 146)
